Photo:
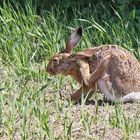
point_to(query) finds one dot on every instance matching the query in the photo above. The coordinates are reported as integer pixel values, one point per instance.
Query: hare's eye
(55, 61)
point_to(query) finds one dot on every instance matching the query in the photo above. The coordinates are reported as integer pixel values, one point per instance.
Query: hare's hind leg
(131, 97)
(100, 70)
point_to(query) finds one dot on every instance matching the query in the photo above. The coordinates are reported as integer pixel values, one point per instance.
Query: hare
(114, 70)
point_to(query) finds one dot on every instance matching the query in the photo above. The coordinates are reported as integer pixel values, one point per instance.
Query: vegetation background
(33, 105)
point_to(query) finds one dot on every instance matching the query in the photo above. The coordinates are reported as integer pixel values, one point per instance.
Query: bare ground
(92, 120)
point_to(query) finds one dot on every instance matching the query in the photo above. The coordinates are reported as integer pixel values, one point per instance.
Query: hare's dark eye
(55, 61)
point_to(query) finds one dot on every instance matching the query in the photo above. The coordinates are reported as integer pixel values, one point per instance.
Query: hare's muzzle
(50, 70)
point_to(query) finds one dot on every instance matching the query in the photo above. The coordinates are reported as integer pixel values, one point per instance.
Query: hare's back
(124, 72)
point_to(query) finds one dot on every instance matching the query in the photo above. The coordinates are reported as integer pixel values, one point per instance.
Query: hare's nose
(50, 71)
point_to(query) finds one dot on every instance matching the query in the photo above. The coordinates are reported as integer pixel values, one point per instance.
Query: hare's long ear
(73, 40)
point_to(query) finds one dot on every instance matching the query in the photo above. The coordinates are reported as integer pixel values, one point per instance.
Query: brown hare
(114, 70)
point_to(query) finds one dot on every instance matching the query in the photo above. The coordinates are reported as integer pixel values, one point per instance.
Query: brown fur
(115, 66)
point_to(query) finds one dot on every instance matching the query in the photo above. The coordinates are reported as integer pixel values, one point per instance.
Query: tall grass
(33, 105)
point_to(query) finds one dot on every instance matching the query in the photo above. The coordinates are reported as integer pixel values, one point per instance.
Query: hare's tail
(131, 97)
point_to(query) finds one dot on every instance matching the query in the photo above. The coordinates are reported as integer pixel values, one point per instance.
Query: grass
(33, 105)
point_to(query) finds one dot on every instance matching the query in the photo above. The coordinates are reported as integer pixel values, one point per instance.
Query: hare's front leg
(90, 80)
(100, 70)
(84, 71)
(83, 90)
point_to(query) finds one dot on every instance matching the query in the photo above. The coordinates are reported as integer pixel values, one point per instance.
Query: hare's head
(60, 63)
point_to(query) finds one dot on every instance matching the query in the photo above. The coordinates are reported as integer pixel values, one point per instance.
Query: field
(37, 106)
